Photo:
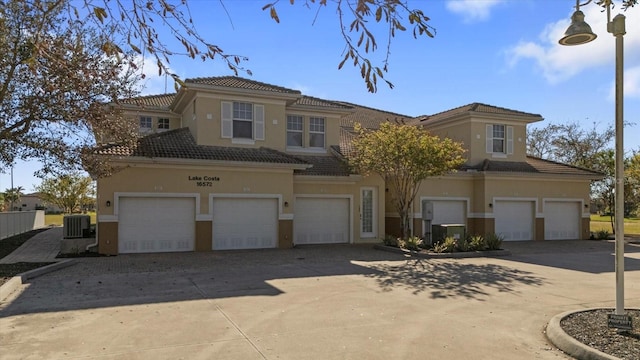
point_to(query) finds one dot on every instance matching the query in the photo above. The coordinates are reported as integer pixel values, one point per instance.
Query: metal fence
(18, 222)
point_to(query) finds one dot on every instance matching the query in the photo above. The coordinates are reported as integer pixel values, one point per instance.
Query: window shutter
(489, 139)
(258, 122)
(509, 140)
(226, 120)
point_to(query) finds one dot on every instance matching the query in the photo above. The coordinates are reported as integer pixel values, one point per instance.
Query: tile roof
(240, 83)
(180, 144)
(370, 118)
(316, 102)
(532, 165)
(161, 100)
(324, 166)
(476, 107)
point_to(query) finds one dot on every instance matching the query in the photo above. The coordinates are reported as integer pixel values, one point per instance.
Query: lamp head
(579, 32)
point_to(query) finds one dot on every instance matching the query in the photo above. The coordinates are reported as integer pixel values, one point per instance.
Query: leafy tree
(54, 81)
(1, 202)
(63, 59)
(403, 156)
(632, 184)
(569, 143)
(70, 192)
(13, 196)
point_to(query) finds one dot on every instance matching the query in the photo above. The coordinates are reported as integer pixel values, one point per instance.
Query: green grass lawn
(631, 225)
(56, 219)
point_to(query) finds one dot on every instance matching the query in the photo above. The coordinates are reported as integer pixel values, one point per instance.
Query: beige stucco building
(231, 163)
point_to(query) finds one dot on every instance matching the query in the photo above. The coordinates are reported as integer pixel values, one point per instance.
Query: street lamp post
(579, 32)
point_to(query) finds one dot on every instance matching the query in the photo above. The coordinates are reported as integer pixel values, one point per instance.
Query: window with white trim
(295, 130)
(242, 121)
(316, 132)
(163, 124)
(499, 139)
(146, 123)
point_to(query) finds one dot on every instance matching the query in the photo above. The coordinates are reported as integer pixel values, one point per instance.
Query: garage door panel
(321, 221)
(514, 219)
(240, 223)
(562, 220)
(156, 224)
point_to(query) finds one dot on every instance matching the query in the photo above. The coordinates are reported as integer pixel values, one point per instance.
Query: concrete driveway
(336, 302)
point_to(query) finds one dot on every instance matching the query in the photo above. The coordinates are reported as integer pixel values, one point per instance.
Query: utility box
(441, 231)
(75, 226)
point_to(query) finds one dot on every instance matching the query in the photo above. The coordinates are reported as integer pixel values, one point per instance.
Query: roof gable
(236, 82)
(480, 109)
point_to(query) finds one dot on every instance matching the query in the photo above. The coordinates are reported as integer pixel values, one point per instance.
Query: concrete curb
(454, 255)
(568, 344)
(15, 282)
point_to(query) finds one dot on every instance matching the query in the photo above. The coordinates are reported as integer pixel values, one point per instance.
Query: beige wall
(481, 190)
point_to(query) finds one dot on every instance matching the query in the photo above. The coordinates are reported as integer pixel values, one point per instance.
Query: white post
(617, 28)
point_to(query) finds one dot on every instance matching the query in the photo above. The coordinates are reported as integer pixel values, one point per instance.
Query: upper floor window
(243, 121)
(316, 132)
(294, 130)
(146, 123)
(163, 124)
(499, 139)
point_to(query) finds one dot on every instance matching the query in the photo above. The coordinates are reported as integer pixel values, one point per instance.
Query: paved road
(336, 302)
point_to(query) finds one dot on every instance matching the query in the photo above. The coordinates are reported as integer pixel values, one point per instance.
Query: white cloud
(631, 84)
(472, 10)
(559, 63)
(152, 83)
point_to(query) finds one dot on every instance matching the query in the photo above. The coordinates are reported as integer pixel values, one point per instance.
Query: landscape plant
(493, 241)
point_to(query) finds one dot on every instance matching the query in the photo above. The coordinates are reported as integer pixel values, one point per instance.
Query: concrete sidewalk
(43, 247)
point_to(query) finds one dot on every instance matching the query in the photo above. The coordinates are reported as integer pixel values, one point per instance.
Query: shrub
(390, 240)
(464, 245)
(477, 243)
(413, 243)
(602, 235)
(493, 241)
(448, 245)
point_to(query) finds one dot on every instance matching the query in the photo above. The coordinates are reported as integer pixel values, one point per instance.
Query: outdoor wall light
(108, 203)
(286, 204)
(490, 205)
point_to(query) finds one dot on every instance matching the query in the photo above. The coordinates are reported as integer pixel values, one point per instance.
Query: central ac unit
(75, 225)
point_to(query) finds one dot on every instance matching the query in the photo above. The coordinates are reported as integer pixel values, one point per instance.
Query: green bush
(413, 243)
(602, 235)
(477, 243)
(448, 245)
(390, 240)
(493, 241)
(463, 245)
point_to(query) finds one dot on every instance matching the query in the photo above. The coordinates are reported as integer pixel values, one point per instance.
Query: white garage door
(240, 223)
(514, 219)
(562, 220)
(449, 212)
(321, 221)
(148, 225)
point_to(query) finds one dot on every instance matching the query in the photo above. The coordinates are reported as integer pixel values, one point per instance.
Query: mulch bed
(590, 328)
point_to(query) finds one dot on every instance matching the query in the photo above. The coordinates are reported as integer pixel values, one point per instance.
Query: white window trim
(374, 218)
(324, 132)
(507, 145)
(227, 119)
(295, 147)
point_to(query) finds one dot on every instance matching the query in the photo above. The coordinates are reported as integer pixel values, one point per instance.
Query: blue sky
(503, 53)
